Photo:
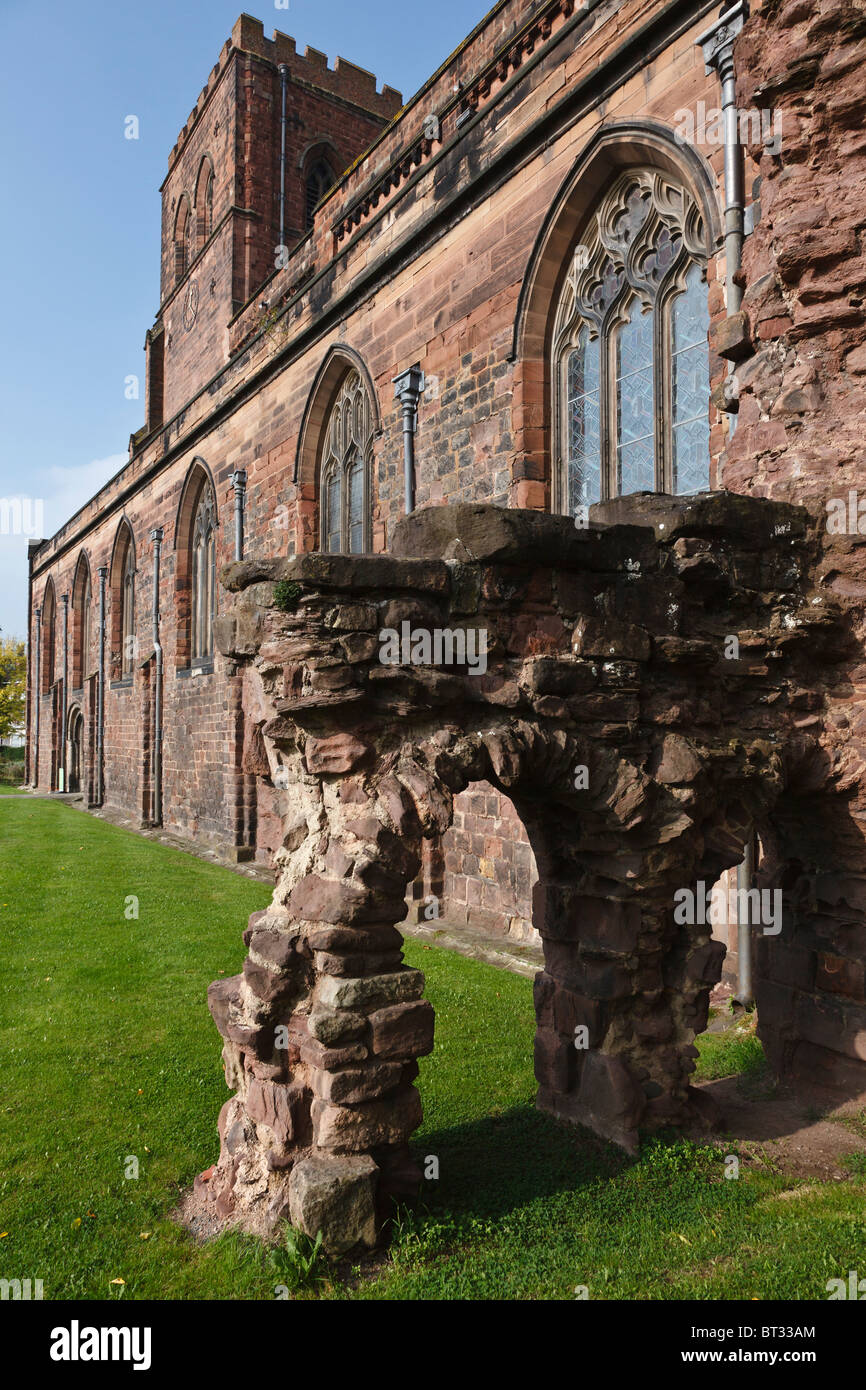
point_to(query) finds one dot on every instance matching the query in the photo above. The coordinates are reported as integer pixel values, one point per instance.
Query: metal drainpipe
(100, 689)
(38, 696)
(156, 536)
(62, 770)
(717, 45)
(239, 483)
(407, 389)
(745, 874)
(284, 78)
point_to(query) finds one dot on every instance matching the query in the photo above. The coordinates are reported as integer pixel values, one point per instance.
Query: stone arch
(638, 757)
(339, 361)
(615, 147)
(75, 748)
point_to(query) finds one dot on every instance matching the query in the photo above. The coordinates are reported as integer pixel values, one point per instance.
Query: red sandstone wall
(430, 271)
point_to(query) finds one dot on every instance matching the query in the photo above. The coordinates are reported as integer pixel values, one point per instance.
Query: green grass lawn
(109, 1054)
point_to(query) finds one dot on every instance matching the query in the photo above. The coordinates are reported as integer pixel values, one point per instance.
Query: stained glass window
(630, 358)
(203, 575)
(690, 386)
(584, 425)
(635, 432)
(345, 471)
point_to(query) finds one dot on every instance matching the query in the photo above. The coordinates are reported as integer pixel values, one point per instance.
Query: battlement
(345, 79)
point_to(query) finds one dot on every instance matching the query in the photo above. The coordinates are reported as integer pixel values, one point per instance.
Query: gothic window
(81, 624)
(203, 576)
(48, 638)
(183, 248)
(630, 365)
(203, 203)
(86, 610)
(127, 601)
(208, 205)
(345, 471)
(319, 180)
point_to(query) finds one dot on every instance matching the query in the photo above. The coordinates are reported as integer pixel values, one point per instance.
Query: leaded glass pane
(635, 452)
(690, 386)
(583, 425)
(334, 511)
(355, 478)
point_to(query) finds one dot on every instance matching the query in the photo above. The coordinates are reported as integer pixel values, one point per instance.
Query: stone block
(403, 1030)
(369, 992)
(336, 1196)
(350, 1129)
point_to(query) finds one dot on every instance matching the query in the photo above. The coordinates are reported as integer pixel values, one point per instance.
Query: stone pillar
(322, 1032)
(622, 995)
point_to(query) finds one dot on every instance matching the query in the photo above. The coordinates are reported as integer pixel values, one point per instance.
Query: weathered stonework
(609, 651)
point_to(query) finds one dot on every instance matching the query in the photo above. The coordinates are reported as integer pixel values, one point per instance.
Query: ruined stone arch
(82, 621)
(615, 148)
(122, 595)
(638, 757)
(340, 363)
(198, 496)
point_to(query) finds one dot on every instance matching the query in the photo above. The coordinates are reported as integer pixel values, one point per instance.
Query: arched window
(345, 471)
(48, 637)
(127, 622)
(81, 623)
(203, 575)
(203, 203)
(208, 207)
(183, 248)
(630, 367)
(319, 179)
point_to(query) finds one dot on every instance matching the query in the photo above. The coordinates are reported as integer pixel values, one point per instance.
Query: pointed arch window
(630, 367)
(203, 575)
(127, 601)
(319, 179)
(183, 247)
(48, 638)
(346, 469)
(81, 624)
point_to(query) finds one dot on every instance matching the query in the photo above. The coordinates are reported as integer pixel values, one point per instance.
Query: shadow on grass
(489, 1167)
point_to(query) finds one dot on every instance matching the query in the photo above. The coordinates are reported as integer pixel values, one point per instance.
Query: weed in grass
(299, 1262)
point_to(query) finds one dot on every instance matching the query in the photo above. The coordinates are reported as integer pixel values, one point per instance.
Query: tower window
(319, 180)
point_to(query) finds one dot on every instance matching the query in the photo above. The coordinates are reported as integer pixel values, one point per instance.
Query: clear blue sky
(79, 241)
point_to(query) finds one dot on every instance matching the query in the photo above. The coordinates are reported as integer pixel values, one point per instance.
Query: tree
(13, 683)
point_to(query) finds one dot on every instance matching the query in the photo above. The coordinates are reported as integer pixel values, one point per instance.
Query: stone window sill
(125, 684)
(201, 668)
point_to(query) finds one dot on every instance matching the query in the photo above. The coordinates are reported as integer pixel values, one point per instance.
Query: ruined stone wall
(798, 355)
(680, 742)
